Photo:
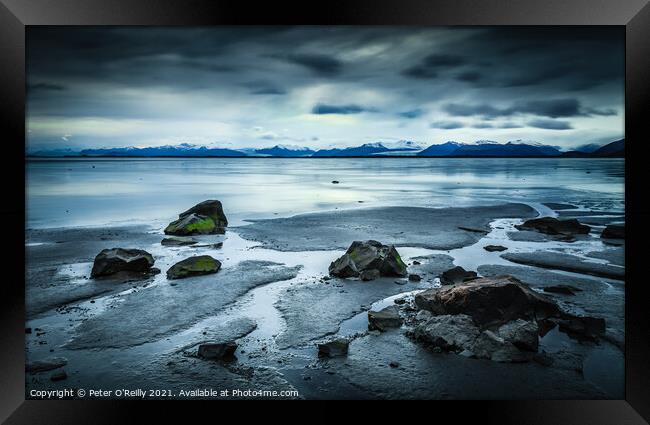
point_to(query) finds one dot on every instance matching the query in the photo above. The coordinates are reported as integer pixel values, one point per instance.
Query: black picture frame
(16, 15)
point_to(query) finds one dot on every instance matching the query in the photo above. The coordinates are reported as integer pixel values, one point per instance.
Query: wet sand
(271, 298)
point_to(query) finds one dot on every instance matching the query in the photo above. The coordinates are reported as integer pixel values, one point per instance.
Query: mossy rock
(194, 266)
(210, 208)
(193, 224)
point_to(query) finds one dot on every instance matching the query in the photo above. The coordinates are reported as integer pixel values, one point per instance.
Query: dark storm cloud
(240, 78)
(569, 57)
(550, 124)
(553, 108)
(325, 109)
(446, 125)
(432, 64)
(317, 63)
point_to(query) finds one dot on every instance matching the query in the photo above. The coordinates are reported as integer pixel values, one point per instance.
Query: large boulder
(614, 231)
(383, 319)
(490, 301)
(553, 226)
(114, 260)
(194, 266)
(368, 255)
(523, 334)
(192, 224)
(456, 275)
(490, 345)
(210, 208)
(447, 332)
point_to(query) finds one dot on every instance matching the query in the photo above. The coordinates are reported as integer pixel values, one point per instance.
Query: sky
(320, 87)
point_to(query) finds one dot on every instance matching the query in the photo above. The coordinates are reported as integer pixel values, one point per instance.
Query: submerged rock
(489, 301)
(114, 260)
(334, 348)
(368, 255)
(194, 266)
(192, 224)
(178, 241)
(383, 319)
(582, 327)
(217, 351)
(494, 248)
(210, 208)
(553, 226)
(456, 275)
(415, 278)
(614, 231)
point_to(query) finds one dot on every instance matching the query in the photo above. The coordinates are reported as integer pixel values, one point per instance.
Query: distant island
(480, 149)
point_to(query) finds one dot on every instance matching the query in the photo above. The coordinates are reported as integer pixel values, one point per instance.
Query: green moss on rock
(194, 266)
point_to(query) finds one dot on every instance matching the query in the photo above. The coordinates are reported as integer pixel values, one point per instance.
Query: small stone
(335, 182)
(334, 348)
(386, 318)
(217, 351)
(494, 248)
(416, 263)
(394, 364)
(415, 278)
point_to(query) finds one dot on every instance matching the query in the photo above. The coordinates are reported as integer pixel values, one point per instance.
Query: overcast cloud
(247, 87)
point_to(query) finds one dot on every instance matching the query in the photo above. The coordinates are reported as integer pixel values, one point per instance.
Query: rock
(28, 330)
(114, 260)
(562, 289)
(472, 229)
(178, 241)
(553, 226)
(415, 277)
(456, 275)
(521, 333)
(371, 274)
(393, 364)
(334, 348)
(368, 255)
(614, 231)
(494, 248)
(58, 376)
(489, 345)
(193, 224)
(543, 359)
(423, 315)
(343, 267)
(217, 351)
(582, 327)
(335, 182)
(400, 301)
(489, 301)
(447, 332)
(194, 266)
(210, 208)
(416, 263)
(383, 319)
(45, 365)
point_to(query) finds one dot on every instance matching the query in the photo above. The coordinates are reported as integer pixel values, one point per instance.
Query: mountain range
(401, 148)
